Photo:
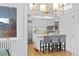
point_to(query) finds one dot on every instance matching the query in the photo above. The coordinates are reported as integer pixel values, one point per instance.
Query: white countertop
(42, 35)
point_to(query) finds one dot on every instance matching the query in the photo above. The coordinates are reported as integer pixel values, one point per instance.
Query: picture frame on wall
(8, 22)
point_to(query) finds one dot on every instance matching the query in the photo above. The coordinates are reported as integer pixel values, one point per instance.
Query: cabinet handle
(73, 35)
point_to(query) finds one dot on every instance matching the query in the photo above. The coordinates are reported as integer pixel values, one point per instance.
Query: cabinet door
(75, 41)
(65, 25)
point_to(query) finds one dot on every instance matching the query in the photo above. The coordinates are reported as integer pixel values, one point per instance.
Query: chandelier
(55, 8)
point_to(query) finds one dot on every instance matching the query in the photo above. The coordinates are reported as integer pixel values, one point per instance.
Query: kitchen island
(39, 37)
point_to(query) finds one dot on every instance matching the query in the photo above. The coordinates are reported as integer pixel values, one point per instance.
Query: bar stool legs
(45, 47)
(49, 47)
(52, 47)
(64, 45)
(59, 45)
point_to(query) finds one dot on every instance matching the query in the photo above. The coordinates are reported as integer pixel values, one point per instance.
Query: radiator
(5, 44)
(16, 47)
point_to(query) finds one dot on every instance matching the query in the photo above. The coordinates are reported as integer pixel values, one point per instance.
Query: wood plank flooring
(33, 52)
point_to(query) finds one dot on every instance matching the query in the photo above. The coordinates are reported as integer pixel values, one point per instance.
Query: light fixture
(44, 8)
(33, 6)
(62, 8)
(56, 8)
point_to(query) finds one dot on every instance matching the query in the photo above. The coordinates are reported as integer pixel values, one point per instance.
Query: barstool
(63, 41)
(45, 44)
(55, 43)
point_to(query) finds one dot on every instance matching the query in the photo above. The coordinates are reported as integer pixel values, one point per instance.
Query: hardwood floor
(33, 52)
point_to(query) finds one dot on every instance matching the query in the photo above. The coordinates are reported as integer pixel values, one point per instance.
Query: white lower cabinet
(37, 40)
